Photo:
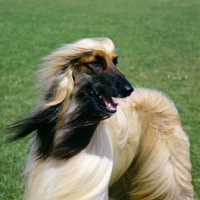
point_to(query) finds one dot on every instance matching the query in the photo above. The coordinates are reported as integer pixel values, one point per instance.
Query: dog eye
(96, 63)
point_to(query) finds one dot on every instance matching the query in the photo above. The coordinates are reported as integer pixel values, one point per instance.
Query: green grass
(158, 42)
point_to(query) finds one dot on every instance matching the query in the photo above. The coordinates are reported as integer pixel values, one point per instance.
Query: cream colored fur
(141, 151)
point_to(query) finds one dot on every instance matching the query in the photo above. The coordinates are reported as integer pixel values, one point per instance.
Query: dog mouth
(104, 100)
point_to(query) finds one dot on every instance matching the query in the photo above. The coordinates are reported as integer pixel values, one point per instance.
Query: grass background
(158, 42)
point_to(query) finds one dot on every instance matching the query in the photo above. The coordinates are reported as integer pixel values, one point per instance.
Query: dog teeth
(109, 107)
(100, 97)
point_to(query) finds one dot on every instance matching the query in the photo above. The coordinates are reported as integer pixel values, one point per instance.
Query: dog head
(80, 81)
(85, 70)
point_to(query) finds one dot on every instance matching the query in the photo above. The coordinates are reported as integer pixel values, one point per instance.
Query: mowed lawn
(158, 43)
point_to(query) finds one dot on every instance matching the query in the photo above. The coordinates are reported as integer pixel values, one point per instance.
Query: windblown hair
(57, 74)
(93, 137)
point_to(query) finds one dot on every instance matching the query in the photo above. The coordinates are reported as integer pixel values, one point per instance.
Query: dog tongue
(109, 103)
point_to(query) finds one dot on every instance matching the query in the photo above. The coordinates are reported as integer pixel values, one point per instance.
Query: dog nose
(128, 89)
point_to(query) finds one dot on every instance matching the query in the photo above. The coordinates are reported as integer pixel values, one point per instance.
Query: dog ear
(58, 86)
(42, 123)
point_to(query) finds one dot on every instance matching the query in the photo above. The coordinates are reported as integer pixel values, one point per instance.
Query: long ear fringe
(38, 120)
(44, 121)
(59, 89)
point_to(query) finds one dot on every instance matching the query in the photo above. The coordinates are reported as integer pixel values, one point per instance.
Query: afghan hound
(94, 138)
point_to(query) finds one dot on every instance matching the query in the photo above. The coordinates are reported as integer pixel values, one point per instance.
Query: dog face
(80, 80)
(98, 80)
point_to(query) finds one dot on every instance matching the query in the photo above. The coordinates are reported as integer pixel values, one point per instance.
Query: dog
(94, 137)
